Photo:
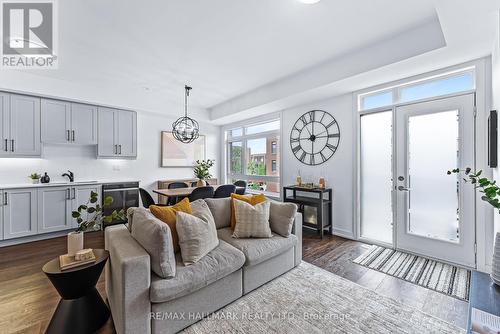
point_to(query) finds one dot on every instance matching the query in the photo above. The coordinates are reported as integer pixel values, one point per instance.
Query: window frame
(225, 131)
(424, 79)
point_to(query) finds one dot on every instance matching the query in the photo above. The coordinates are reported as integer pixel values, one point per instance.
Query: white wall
(81, 160)
(339, 171)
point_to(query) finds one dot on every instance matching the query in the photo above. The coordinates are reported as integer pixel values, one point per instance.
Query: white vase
(495, 270)
(75, 242)
(35, 181)
(201, 183)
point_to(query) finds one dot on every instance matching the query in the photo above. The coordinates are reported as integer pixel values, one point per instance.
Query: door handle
(6, 145)
(401, 188)
(73, 135)
(67, 135)
(12, 145)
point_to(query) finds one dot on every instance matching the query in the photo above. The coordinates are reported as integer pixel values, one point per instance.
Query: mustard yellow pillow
(250, 199)
(167, 215)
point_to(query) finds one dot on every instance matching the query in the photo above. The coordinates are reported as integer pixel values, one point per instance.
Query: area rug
(308, 299)
(438, 276)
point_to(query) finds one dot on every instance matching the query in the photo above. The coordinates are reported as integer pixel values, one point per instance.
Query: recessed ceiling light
(309, 2)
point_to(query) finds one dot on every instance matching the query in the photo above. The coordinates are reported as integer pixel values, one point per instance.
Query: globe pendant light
(186, 129)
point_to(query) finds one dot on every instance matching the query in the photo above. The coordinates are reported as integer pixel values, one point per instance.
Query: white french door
(407, 200)
(435, 211)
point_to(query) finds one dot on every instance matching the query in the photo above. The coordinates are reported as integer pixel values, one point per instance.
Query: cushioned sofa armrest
(128, 278)
(297, 231)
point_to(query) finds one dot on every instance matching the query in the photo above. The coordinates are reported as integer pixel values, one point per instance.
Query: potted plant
(202, 171)
(491, 195)
(35, 178)
(93, 217)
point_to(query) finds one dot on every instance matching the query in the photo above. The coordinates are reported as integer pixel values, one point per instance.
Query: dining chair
(241, 183)
(201, 192)
(175, 185)
(224, 190)
(147, 199)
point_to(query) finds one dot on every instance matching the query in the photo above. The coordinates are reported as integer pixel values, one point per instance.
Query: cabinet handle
(120, 149)
(68, 195)
(6, 145)
(67, 135)
(12, 145)
(73, 135)
(6, 198)
(74, 194)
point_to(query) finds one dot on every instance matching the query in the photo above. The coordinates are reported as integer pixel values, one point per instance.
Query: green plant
(489, 188)
(94, 214)
(202, 169)
(35, 176)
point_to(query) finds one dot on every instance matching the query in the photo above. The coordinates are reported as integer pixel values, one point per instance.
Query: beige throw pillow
(197, 233)
(252, 221)
(281, 217)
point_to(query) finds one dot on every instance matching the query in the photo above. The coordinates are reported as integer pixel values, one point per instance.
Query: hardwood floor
(28, 299)
(335, 254)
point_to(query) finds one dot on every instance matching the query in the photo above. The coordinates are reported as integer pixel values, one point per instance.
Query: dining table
(183, 192)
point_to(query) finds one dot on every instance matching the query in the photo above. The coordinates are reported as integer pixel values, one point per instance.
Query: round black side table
(81, 309)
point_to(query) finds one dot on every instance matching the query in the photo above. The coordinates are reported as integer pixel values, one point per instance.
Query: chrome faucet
(71, 176)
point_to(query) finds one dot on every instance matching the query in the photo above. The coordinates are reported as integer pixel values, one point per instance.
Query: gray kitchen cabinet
(19, 213)
(80, 195)
(68, 123)
(4, 123)
(20, 124)
(1, 214)
(54, 209)
(117, 133)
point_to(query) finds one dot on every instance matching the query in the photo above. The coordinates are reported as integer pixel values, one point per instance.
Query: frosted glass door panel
(433, 196)
(376, 176)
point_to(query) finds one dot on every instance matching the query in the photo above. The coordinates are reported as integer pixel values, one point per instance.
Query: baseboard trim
(343, 233)
(31, 238)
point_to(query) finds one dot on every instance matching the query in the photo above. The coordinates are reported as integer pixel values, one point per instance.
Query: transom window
(455, 82)
(253, 155)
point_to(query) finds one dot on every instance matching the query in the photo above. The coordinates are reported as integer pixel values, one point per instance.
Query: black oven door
(123, 198)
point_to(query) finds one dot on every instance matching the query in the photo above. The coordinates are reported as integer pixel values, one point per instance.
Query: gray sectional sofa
(142, 302)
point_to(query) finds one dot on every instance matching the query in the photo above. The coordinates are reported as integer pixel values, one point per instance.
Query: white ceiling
(140, 54)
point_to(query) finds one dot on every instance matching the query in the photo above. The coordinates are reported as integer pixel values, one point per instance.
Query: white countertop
(61, 184)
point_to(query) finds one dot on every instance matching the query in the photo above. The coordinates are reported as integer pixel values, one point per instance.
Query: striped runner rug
(438, 276)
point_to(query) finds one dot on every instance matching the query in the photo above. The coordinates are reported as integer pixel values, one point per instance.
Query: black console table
(319, 201)
(484, 296)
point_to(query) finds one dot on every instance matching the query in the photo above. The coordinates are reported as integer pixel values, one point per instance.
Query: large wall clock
(315, 137)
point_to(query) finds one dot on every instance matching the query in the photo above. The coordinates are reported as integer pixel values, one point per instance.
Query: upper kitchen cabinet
(117, 133)
(20, 125)
(68, 123)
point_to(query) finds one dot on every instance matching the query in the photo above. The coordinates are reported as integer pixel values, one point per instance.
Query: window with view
(253, 156)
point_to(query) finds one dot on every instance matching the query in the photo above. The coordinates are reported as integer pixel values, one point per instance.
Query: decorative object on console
(202, 171)
(177, 154)
(35, 178)
(186, 129)
(45, 178)
(315, 137)
(93, 216)
(491, 195)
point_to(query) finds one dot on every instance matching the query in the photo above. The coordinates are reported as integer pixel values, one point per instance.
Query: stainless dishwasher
(125, 195)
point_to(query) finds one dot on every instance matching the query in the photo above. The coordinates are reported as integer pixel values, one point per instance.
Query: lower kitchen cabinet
(54, 209)
(81, 194)
(1, 214)
(19, 213)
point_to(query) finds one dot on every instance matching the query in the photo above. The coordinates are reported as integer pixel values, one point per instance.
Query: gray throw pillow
(156, 238)
(221, 210)
(252, 221)
(281, 217)
(197, 233)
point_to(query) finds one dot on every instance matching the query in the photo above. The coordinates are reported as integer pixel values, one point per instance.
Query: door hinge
(475, 111)
(475, 248)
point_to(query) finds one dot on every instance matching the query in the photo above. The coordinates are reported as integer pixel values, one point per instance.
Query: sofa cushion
(251, 199)
(167, 215)
(222, 261)
(156, 238)
(221, 210)
(258, 250)
(252, 221)
(281, 217)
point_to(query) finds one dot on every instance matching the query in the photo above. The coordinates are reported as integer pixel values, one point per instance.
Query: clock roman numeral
(331, 147)
(303, 156)
(303, 119)
(312, 115)
(321, 120)
(295, 140)
(311, 160)
(331, 123)
(323, 158)
(296, 149)
(334, 135)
